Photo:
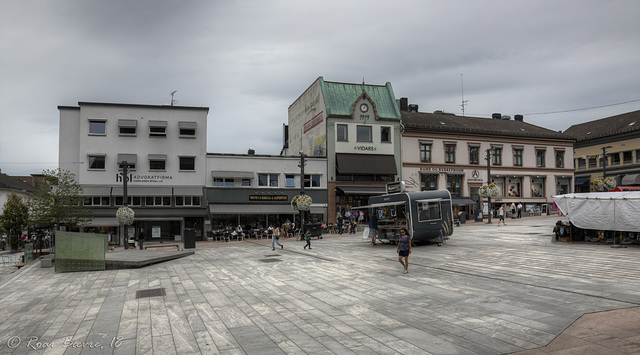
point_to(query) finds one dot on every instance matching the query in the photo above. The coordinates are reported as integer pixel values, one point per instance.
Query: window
(246, 182)
(540, 153)
(97, 201)
(187, 129)
(385, 134)
(429, 211)
(454, 185)
(364, 134)
(474, 155)
(131, 201)
(158, 129)
(188, 163)
(290, 180)
(268, 180)
(425, 152)
(496, 155)
(450, 154)
(96, 162)
(429, 182)
(312, 181)
(157, 201)
(559, 158)
(615, 158)
(130, 166)
(224, 182)
(627, 157)
(593, 163)
(187, 201)
(98, 127)
(517, 157)
(582, 163)
(157, 165)
(637, 155)
(127, 127)
(343, 133)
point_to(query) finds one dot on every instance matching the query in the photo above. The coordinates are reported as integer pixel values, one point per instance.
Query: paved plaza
(489, 290)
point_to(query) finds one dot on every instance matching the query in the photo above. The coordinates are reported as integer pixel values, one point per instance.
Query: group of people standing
(502, 212)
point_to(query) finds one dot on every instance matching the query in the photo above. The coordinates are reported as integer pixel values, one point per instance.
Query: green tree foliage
(15, 215)
(58, 202)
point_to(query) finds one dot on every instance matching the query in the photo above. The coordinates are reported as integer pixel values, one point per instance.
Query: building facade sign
(268, 198)
(144, 178)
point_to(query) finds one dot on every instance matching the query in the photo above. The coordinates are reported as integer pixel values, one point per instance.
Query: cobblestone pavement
(489, 290)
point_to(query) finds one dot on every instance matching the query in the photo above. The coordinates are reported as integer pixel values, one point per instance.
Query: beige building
(618, 138)
(444, 151)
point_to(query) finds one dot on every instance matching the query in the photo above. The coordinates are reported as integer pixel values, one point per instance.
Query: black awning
(362, 189)
(580, 181)
(461, 201)
(365, 164)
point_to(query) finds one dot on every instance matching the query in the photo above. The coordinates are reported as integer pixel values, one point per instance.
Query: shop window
(429, 182)
(364, 134)
(342, 133)
(131, 201)
(97, 127)
(627, 157)
(312, 181)
(224, 182)
(290, 180)
(500, 182)
(496, 156)
(537, 188)
(97, 162)
(563, 187)
(615, 158)
(517, 157)
(97, 201)
(425, 152)
(187, 163)
(450, 154)
(454, 185)
(514, 187)
(540, 158)
(559, 158)
(385, 134)
(474, 155)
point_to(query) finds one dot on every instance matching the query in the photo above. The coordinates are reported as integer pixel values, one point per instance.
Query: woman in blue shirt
(404, 248)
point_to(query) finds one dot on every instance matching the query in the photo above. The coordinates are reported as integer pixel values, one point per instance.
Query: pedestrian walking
(275, 237)
(513, 210)
(404, 249)
(501, 213)
(307, 237)
(141, 238)
(519, 209)
(373, 228)
(340, 223)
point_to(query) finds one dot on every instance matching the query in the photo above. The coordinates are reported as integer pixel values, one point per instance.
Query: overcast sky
(249, 60)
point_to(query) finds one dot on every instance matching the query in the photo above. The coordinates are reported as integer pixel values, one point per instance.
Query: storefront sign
(475, 176)
(316, 120)
(395, 187)
(268, 198)
(155, 232)
(365, 147)
(145, 178)
(443, 170)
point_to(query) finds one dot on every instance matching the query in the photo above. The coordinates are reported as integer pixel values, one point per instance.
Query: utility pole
(488, 158)
(302, 163)
(125, 201)
(604, 161)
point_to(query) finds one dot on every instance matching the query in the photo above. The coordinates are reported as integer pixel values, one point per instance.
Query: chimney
(251, 151)
(413, 108)
(518, 118)
(403, 103)
(496, 116)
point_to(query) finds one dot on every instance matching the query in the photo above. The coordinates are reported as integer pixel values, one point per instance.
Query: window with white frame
(187, 163)
(385, 134)
(187, 129)
(270, 180)
(496, 155)
(157, 201)
(131, 201)
(540, 158)
(98, 127)
(450, 153)
(188, 201)
(97, 201)
(517, 156)
(290, 180)
(342, 133)
(425, 152)
(157, 162)
(364, 134)
(127, 127)
(97, 162)
(474, 155)
(559, 158)
(158, 129)
(312, 180)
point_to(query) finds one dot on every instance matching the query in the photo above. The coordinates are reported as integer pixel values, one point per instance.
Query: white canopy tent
(618, 211)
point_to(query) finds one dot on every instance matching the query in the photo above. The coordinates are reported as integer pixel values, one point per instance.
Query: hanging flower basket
(605, 184)
(491, 190)
(125, 215)
(301, 202)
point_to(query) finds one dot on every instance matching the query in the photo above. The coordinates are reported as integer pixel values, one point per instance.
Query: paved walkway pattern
(489, 290)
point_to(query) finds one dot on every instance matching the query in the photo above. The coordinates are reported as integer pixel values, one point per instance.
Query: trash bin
(462, 217)
(189, 236)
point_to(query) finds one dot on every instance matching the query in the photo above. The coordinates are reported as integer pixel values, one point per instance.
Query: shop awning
(631, 179)
(362, 189)
(456, 201)
(366, 164)
(187, 191)
(96, 190)
(580, 181)
(187, 125)
(143, 191)
(232, 174)
(251, 209)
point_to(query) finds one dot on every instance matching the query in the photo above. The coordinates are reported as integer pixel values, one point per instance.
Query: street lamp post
(488, 158)
(124, 201)
(604, 161)
(302, 164)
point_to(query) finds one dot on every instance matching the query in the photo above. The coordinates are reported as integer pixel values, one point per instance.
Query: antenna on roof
(464, 103)
(363, 84)
(172, 100)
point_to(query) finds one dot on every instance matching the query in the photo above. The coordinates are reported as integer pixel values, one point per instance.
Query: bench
(162, 246)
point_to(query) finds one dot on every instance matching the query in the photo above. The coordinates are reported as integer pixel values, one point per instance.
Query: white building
(252, 190)
(164, 148)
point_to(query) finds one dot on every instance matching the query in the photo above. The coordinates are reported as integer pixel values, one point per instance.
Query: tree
(14, 219)
(58, 201)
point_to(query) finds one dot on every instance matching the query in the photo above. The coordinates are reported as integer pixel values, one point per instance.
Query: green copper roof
(339, 98)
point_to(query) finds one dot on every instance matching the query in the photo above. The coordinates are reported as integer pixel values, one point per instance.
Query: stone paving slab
(489, 290)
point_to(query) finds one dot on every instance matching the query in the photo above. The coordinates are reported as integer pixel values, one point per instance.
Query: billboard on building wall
(307, 123)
